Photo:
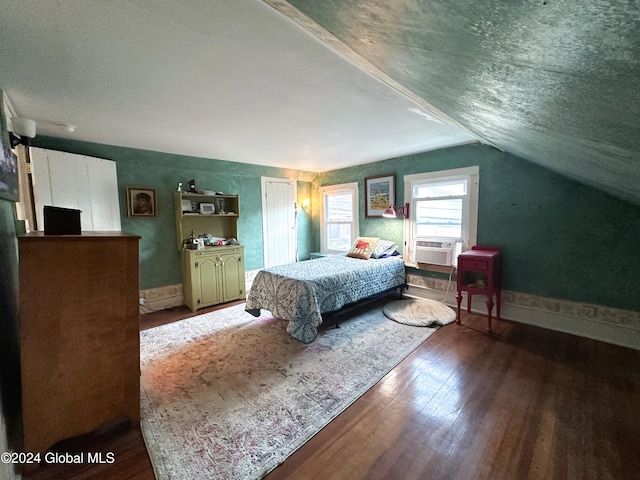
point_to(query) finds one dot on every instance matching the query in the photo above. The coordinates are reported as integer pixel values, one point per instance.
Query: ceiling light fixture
(67, 127)
(22, 131)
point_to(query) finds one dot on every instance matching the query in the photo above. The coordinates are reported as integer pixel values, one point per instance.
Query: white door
(279, 221)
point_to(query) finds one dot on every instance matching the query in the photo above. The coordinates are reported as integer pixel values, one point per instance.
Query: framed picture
(141, 202)
(380, 193)
(8, 162)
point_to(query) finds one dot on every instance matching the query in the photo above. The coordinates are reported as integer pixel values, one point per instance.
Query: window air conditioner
(436, 251)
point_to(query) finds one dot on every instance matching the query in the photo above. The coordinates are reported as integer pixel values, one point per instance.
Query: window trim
(335, 189)
(469, 225)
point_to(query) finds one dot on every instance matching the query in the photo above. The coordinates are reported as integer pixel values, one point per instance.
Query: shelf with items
(220, 222)
(224, 205)
(214, 273)
(195, 214)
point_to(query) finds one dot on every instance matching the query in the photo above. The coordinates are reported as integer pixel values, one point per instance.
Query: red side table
(480, 272)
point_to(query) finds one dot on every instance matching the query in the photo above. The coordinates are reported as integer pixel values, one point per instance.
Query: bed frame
(337, 314)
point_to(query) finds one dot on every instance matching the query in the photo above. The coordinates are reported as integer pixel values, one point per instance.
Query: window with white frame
(339, 219)
(444, 213)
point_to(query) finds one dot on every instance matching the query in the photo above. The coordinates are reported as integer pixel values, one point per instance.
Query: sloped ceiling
(553, 81)
(274, 82)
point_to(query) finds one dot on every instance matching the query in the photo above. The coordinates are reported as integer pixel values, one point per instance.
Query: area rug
(419, 312)
(228, 396)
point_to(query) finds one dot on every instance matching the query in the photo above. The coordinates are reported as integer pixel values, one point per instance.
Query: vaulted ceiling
(553, 81)
(318, 85)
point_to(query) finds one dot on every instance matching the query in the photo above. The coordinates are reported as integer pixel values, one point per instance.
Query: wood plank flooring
(521, 403)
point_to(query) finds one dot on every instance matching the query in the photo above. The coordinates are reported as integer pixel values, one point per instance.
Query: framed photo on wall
(8, 161)
(141, 202)
(380, 193)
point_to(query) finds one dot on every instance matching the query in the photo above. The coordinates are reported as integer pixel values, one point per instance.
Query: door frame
(265, 236)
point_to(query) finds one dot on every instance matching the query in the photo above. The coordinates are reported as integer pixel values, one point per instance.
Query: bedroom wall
(9, 332)
(9, 321)
(159, 258)
(560, 239)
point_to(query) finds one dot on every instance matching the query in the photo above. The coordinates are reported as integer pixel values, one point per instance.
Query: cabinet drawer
(213, 251)
(205, 253)
(473, 264)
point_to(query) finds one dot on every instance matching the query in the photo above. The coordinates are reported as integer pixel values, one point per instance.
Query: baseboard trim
(611, 325)
(606, 324)
(170, 296)
(161, 298)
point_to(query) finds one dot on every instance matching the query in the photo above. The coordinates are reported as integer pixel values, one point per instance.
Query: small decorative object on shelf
(220, 205)
(480, 272)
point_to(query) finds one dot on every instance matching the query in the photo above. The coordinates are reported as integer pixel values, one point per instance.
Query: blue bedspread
(301, 292)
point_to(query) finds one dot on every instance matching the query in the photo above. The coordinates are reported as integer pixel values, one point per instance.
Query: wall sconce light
(22, 131)
(305, 203)
(395, 211)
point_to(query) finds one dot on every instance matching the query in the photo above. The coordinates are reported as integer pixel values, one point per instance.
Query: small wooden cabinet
(213, 275)
(480, 272)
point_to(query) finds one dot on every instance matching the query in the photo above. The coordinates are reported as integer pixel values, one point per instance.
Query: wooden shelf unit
(214, 274)
(219, 224)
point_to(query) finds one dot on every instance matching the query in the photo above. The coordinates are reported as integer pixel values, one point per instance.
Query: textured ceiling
(318, 85)
(555, 82)
(230, 80)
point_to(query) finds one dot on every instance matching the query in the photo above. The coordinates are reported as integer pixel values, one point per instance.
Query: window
(439, 208)
(339, 220)
(444, 207)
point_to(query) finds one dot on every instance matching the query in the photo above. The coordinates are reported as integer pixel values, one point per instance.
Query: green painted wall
(306, 243)
(159, 259)
(559, 238)
(9, 320)
(9, 325)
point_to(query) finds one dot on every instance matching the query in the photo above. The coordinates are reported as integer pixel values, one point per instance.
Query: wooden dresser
(79, 334)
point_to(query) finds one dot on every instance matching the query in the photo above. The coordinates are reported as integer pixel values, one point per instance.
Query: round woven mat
(419, 312)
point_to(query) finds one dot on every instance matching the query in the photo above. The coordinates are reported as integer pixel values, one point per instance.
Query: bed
(301, 292)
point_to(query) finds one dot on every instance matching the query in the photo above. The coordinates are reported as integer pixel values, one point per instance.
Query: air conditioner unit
(436, 251)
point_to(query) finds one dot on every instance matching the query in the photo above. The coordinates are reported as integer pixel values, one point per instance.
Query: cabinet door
(232, 276)
(208, 268)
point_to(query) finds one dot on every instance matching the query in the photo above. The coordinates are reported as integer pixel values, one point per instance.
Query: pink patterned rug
(228, 396)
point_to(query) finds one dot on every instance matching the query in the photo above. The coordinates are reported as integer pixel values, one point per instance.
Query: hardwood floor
(520, 403)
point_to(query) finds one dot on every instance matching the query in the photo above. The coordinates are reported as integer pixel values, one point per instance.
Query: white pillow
(384, 248)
